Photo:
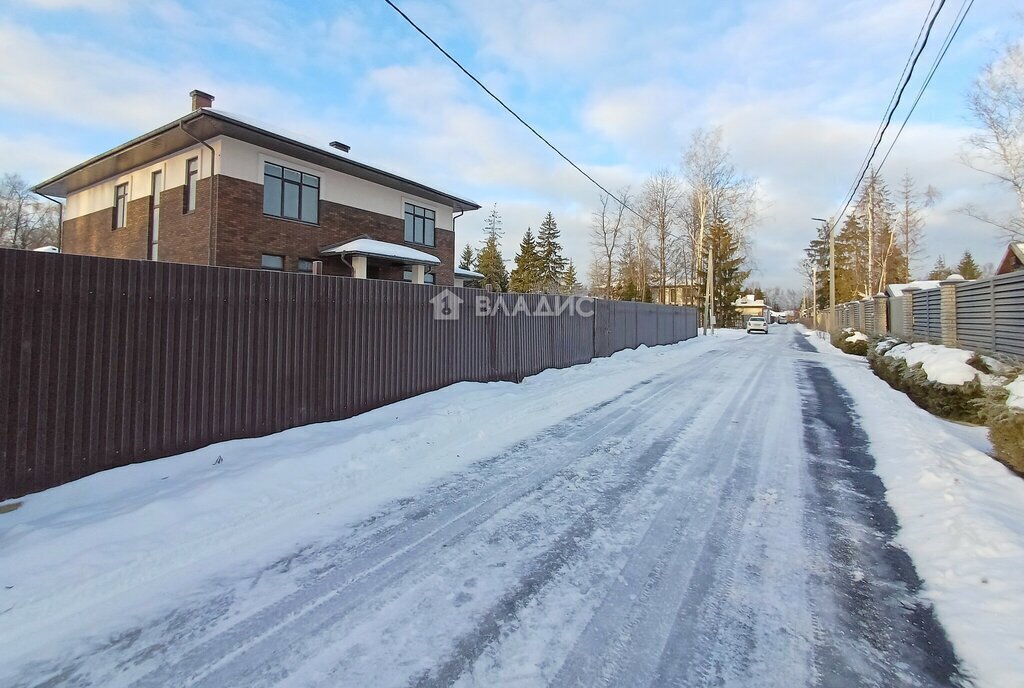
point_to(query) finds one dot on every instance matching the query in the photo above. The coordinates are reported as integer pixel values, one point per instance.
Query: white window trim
(263, 158)
(412, 200)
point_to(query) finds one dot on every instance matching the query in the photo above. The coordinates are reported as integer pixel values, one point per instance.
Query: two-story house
(213, 188)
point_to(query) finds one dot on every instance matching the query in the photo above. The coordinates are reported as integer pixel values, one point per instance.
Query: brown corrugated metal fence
(106, 362)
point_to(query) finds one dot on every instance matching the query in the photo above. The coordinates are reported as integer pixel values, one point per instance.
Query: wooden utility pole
(814, 297)
(709, 298)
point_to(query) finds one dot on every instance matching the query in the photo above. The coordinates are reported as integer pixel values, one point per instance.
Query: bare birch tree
(997, 101)
(607, 229)
(713, 189)
(26, 220)
(659, 204)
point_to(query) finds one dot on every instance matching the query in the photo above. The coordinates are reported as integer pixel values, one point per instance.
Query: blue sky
(798, 88)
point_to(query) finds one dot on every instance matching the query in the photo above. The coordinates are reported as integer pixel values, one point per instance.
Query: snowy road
(711, 520)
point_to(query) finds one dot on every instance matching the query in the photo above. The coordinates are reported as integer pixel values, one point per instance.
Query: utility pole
(709, 299)
(831, 270)
(814, 297)
(831, 278)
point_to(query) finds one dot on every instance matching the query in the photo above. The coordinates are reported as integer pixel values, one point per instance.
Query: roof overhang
(394, 253)
(206, 124)
(1012, 259)
(469, 274)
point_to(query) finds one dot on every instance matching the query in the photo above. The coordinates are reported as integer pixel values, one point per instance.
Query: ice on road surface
(708, 513)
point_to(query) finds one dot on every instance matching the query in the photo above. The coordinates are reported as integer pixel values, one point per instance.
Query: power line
(954, 29)
(513, 112)
(895, 90)
(889, 116)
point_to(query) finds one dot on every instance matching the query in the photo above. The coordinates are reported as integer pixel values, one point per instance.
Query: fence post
(992, 309)
(947, 308)
(908, 310)
(881, 313)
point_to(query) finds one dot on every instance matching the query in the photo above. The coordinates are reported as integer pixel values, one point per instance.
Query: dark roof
(1013, 259)
(207, 123)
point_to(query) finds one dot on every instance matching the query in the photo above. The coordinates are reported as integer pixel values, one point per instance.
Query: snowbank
(1015, 390)
(857, 337)
(961, 520)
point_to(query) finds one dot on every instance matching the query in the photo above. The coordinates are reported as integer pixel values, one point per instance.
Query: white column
(359, 267)
(418, 273)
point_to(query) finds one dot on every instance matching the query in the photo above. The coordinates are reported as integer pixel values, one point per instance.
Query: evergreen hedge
(1005, 429)
(970, 402)
(858, 348)
(955, 402)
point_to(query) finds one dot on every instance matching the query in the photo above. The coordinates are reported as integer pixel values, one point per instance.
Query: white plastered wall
(245, 161)
(100, 196)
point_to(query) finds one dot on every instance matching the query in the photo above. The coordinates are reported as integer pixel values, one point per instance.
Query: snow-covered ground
(961, 512)
(703, 513)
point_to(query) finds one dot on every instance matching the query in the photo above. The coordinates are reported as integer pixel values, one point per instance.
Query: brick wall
(185, 237)
(94, 234)
(244, 233)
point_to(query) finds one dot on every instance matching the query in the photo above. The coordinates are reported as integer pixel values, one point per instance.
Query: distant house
(468, 278)
(1013, 260)
(213, 188)
(681, 294)
(748, 307)
(892, 290)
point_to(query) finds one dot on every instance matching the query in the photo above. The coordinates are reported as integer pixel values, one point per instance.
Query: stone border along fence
(985, 314)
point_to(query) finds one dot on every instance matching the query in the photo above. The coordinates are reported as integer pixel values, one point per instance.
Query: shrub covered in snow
(959, 385)
(948, 382)
(852, 342)
(1003, 412)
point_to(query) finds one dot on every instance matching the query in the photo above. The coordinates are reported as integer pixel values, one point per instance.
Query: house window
(272, 262)
(120, 205)
(191, 180)
(305, 265)
(419, 225)
(427, 278)
(291, 194)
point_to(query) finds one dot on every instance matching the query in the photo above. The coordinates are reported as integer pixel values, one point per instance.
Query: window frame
(305, 184)
(410, 214)
(263, 262)
(191, 191)
(121, 205)
(428, 277)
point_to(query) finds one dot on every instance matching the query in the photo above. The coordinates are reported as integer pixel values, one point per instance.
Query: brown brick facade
(185, 237)
(95, 235)
(242, 233)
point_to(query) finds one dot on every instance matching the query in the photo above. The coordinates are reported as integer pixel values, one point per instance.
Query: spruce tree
(729, 274)
(941, 271)
(968, 268)
(552, 262)
(570, 283)
(467, 259)
(489, 261)
(526, 275)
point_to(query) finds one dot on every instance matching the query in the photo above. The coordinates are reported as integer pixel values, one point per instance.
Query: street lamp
(831, 268)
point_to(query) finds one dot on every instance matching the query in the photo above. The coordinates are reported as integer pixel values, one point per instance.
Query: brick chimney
(201, 100)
